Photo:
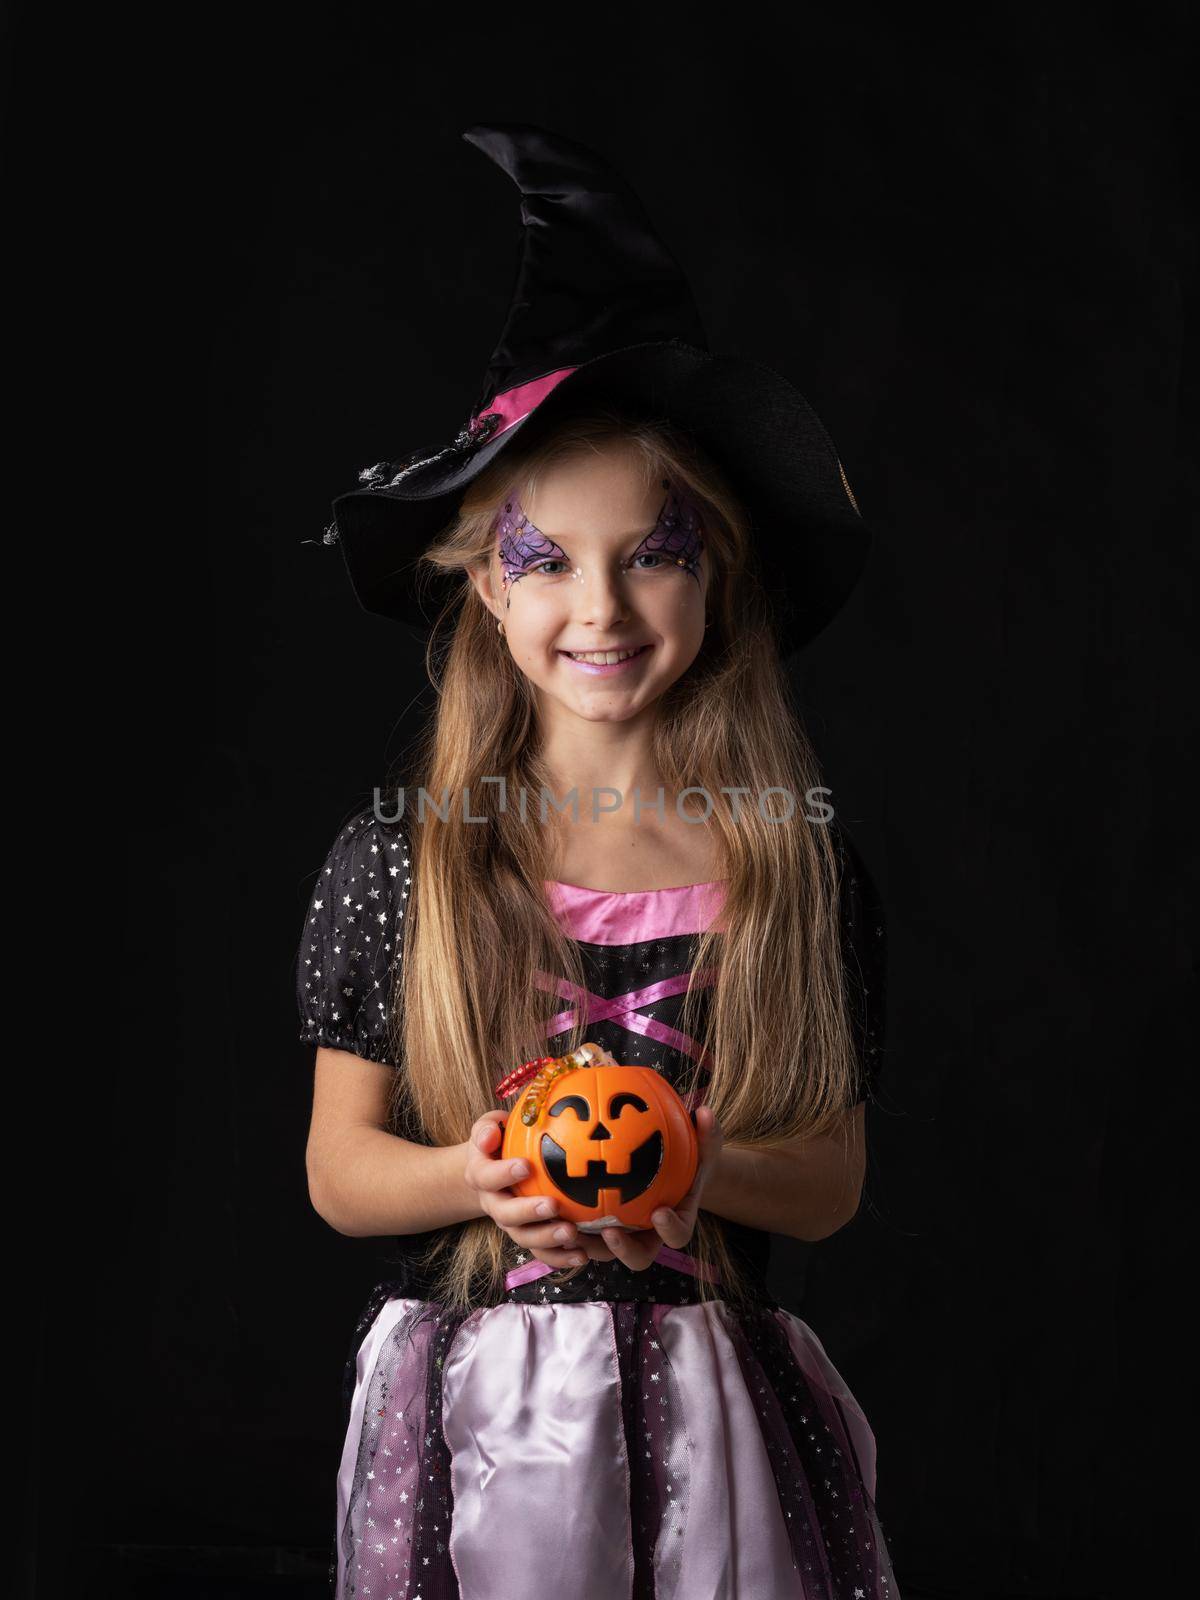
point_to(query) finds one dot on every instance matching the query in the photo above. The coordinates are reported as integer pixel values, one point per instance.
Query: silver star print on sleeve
(353, 940)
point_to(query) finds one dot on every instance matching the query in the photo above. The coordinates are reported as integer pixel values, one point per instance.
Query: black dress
(620, 1390)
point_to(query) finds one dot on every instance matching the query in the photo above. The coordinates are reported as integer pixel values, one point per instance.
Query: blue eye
(556, 561)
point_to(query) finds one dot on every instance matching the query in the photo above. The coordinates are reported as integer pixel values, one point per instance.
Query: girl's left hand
(674, 1227)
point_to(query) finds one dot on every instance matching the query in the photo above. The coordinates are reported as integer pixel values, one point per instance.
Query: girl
(623, 1413)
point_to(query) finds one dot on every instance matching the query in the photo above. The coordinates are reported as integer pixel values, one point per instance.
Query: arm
(365, 1181)
(807, 1189)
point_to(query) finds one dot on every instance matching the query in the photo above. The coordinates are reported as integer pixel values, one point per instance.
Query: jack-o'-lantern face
(616, 1146)
(610, 1143)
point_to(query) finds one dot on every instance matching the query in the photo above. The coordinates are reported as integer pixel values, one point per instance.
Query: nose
(600, 598)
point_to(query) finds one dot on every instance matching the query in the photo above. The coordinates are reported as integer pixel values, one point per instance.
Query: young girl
(532, 1405)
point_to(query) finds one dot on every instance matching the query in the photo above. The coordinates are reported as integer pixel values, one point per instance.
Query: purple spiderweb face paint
(522, 545)
(675, 536)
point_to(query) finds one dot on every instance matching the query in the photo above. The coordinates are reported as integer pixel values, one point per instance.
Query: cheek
(686, 612)
(531, 639)
(537, 605)
(530, 614)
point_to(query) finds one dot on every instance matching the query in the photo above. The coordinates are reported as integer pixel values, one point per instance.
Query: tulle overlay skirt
(605, 1450)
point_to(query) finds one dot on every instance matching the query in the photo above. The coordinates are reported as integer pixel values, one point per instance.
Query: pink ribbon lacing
(679, 1259)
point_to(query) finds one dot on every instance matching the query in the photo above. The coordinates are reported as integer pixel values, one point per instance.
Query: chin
(620, 713)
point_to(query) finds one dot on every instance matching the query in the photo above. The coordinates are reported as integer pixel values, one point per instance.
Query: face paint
(675, 537)
(522, 545)
(676, 534)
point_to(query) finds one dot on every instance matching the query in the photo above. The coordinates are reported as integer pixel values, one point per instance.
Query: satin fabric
(679, 1259)
(531, 1411)
(628, 918)
(394, 1314)
(620, 916)
(515, 404)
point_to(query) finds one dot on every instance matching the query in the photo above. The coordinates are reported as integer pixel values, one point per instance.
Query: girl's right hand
(529, 1221)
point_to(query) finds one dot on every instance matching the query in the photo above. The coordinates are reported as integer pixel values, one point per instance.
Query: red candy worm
(521, 1075)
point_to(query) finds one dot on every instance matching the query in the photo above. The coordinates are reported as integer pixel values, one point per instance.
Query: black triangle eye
(620, 1101)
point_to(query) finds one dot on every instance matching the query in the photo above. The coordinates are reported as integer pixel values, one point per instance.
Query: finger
(488, 1130)
(488, 1173)
(545, 1236)
(710, 1140)
(636, 1250)
(595, 1246)
(530, 1231)
(521, 1211)
(560, 1258)
(672, 1227)
(633, 1248)
(710, 1135)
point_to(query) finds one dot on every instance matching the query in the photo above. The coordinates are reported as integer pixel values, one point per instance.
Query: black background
(970, 246)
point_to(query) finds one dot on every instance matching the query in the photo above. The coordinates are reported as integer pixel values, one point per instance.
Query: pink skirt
(605, 1450)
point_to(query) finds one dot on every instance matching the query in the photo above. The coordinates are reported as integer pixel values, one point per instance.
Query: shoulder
(364, 885)
(368, 861)
(353, 937)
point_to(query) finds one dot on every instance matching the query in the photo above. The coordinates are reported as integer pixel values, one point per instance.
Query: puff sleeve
(864, 956)
(353, 939)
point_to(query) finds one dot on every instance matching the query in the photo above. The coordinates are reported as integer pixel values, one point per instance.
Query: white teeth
(602, 657)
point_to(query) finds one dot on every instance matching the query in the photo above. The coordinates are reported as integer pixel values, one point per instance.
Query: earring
(707, 624)
(499, 627)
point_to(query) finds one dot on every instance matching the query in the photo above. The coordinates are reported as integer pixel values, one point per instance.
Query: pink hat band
(513, 405)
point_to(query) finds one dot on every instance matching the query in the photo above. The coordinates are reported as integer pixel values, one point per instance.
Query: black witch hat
(601, 313)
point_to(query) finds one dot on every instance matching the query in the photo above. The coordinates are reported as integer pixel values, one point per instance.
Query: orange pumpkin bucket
(609, 1144)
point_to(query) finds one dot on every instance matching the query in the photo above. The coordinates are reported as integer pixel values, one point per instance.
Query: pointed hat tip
(505, 143)
(482, 134)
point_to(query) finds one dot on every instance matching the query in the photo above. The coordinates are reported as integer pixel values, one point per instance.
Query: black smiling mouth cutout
(585, 1191)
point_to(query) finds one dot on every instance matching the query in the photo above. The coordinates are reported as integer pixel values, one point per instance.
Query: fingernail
(544, 1208)
(577, 1261)
(520, 1169)
(562, 1234)
(660, 1217)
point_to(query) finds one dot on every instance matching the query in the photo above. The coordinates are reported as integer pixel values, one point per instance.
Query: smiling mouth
(583, 658)
(585, 1191)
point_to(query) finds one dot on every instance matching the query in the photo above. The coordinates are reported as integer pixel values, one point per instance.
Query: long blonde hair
(465, 1010)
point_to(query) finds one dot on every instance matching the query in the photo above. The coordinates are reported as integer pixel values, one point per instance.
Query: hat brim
(810, 540)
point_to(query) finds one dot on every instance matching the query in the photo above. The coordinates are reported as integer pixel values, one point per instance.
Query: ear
(482, 580)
